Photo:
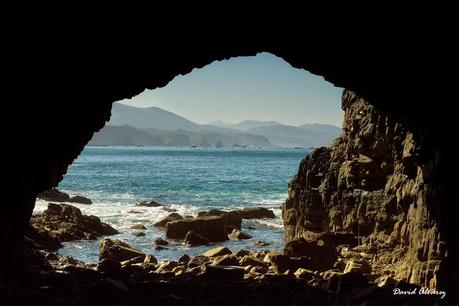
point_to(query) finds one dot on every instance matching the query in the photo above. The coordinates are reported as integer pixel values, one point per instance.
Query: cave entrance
(225, 137)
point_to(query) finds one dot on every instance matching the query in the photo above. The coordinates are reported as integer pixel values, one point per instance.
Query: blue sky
(262, 87)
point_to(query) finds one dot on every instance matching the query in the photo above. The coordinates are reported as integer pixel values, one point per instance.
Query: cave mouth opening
(224, 137)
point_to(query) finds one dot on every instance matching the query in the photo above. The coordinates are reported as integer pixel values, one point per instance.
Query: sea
(183, 179)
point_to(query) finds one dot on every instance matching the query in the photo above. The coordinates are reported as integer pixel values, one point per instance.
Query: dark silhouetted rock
(169, 218)
(148, 204)
(261, 243)
(138, 234)
(117, 250)
(224, 273)
(54, 195)
(239, 235)
(192, 238)
(80, 200)
(322, 257)
(161, 241)
(184, 259)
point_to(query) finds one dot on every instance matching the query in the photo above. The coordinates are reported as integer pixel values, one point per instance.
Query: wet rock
(117, 250)
(184, 259)
(322, 257)
(148, 204)
(256, 213)
(150, 259)
(66, 223)
(136, 212)
(218, 251)
(169, 218)
(80, 200)
(239, 235)
(168, 209)
(261, 243)
(53, 195)
(138, 234)
(159, 247)
(139, 226)
(210, 227)
(192, 238)
(161, 241)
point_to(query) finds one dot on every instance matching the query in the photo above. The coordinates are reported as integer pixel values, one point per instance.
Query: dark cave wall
(62, 93)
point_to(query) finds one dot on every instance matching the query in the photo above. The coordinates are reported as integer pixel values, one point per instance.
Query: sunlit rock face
(372, 182)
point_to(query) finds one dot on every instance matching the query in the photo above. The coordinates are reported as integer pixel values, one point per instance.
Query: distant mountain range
(154, 126)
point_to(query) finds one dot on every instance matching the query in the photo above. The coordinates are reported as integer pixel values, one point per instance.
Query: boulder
(218, 251)
(242, 253)
(256, 213)
(148, 204)
(138, 234)
(109, 267)
(210, 227)
(226, 260)
(249, 261)
(150, 259)
(184, 259)
(66, 223)
(117, 250)
(80, 200)
(53, 195)
(261, 243)
(161, 241)
(198, 260)
(169, 218)
(192, 238)
(322, 257)
(231, 219)
(139, 226)
(239, 235)
(167, 266)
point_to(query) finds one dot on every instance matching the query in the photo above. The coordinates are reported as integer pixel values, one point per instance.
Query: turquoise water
(187, 180)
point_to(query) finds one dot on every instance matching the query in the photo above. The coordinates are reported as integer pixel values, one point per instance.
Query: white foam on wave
(123, 216)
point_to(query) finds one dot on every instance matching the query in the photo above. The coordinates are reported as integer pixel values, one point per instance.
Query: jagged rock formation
(375, 183)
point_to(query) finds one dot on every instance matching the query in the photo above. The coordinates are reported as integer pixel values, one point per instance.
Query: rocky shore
(325, 269)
